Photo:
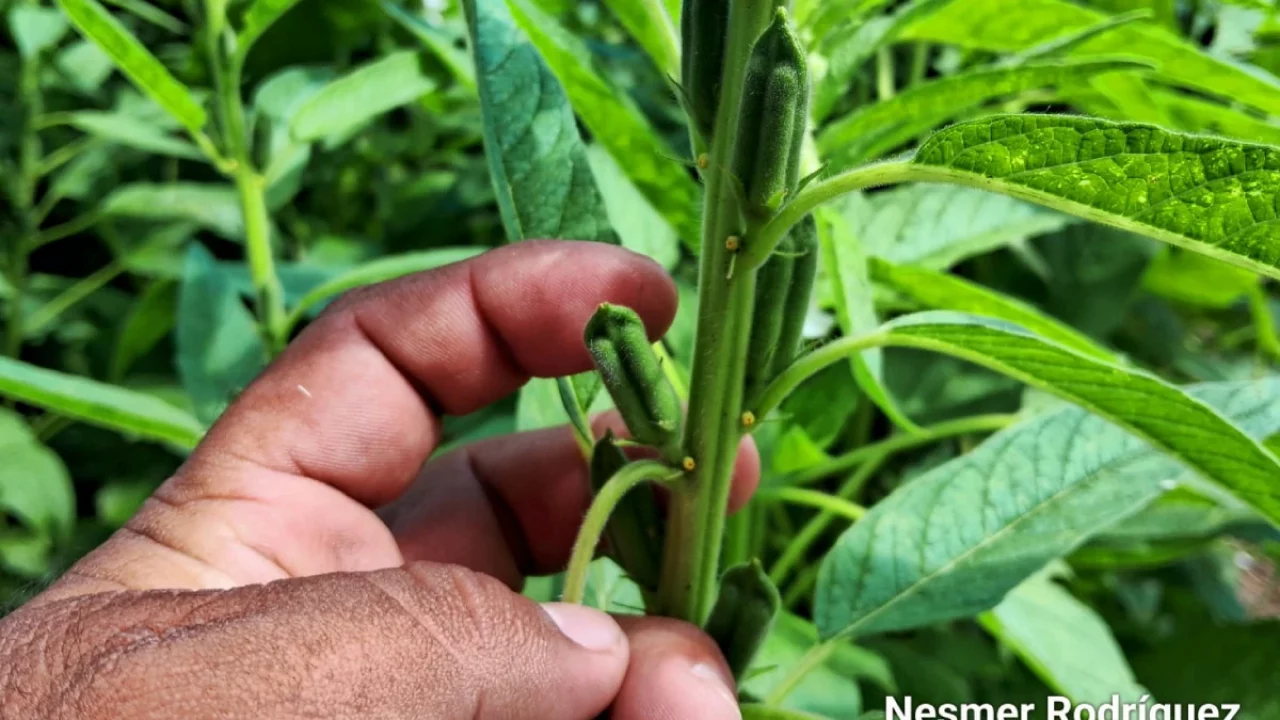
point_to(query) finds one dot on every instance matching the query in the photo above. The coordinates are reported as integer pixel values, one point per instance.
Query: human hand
(304, 563)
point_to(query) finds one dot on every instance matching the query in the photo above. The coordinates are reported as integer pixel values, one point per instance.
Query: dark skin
(304, 563)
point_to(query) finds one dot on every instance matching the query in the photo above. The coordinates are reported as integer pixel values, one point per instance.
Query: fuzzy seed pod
(632, 374)
(704, 28)
(783, 286)
(635, 529)
(743, 614)
(772, 119)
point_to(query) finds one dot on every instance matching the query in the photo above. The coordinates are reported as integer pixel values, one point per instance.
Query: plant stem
(627, 479)
(807, 366)
(885, 86)
(65, 230)
(888, 446)
(23, 197)
(72, 295)
(803, 540)
(696, 518)
(828, 503)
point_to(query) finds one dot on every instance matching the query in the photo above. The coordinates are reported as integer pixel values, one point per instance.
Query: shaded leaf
(212, 206)
(351, 101)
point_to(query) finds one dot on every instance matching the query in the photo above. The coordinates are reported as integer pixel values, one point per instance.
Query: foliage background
(125, 262)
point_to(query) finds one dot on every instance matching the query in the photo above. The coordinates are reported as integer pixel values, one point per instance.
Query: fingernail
(712, 677)
(589, 628)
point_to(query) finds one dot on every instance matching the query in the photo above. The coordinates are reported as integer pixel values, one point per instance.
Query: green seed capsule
(783, 286)
(704, 28)
(743, 614)
(772, 119)
(616, 338)
(635, 529)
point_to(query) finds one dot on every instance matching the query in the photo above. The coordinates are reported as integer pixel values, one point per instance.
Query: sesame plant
(985, 283)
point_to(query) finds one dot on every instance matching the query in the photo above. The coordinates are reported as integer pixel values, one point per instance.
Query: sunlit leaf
(351, 101)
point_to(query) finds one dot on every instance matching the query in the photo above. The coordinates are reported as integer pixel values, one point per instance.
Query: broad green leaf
(375, 271)
(1198, 280)
(354, 99)
(96, 403)
(1064, 642)
(855, 310)
(84, 65)
(1217, 197)
(35, 28)
(258, 18)
(35, 486)
(219, 349)
(829, 689)
(131, 132)
(538, 406)
(651, 25)
(614, 121)
(937, 226)
(1194, 114)
(212, 206)
(1178, 515)
(640, 227)
(1203, 662)
(876, 129)
(437, 42)
(537, 160)
(939, 291)
(847, 52)
(952, 542)
(1006, 27)
(609, 589)
(146, 72)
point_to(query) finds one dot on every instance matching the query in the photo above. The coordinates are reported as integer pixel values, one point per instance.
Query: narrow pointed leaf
(128, 53)
(96, 403)
(354, 99)
(260, 16)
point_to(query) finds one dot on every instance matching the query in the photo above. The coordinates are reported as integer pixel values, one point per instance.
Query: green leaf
(537, 160)
(651, 26)
(848, 52)
(153, 316)
(146, 72)
(375, 271)
(879, 128)
(609, 589)
(35, 28)
(258, 18)
(939, 291)
(855, 311)
(1195, 114)
(131, 132)
(640, 227)
(219, 349)
(35, 486)
(752, 711)
(937, 226)
(150, 13)
(539, 406)
(89, 401)
(349, 102)
(829, 689)
(212, 206)
(1003, 27)
(1216, 197)
(953, 541)
(614, 121)
(1194, 279)
(1064, 642)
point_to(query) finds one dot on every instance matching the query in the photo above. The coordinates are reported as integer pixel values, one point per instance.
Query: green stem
(72, 295)
(897, 443)
(837, 506)
(627, 479)
(885, 86)
(803, 540)
(24, 196)
(919, 63)
(266, 284)
(65, 230)
(1263, 322)
(696, 518)
(806, 366)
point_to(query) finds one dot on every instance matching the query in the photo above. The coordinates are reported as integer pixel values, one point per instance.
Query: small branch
(840, 507)
(72, 295)
(584, 548)
(73, 226)
(809, 365)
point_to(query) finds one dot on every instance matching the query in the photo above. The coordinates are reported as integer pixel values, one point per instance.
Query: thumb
(433, 641)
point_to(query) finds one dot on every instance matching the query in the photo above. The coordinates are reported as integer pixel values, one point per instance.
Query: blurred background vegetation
(125, 260)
